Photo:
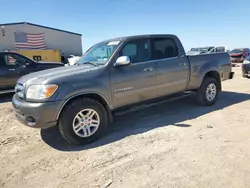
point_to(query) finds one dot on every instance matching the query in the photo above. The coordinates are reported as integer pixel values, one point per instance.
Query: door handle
(12, 69)
(149, 69)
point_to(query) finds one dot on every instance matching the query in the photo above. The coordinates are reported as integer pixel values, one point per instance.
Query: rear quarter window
(164, 48)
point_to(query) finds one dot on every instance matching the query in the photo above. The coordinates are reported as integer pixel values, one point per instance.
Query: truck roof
(139, 36)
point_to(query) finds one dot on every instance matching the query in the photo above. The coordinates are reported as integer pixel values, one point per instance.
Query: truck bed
(202, 63)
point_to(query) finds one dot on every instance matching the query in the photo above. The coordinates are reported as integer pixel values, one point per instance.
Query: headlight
(39, 92)
(246, 62)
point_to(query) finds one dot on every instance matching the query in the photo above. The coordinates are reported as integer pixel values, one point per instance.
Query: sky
(197, 23)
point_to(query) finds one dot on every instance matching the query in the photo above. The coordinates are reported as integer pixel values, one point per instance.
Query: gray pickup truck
(81, 99)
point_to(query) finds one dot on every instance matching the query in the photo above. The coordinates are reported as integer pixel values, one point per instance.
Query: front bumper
(37, 115)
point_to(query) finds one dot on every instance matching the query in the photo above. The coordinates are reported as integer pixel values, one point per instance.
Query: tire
(202, 91)
(68, 119)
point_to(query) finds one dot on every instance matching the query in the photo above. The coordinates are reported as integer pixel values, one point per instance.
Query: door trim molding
(131, 91)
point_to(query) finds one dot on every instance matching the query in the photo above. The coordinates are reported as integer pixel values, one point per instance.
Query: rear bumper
(36, 115)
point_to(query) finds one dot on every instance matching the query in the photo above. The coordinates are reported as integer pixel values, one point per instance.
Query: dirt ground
(172, 144)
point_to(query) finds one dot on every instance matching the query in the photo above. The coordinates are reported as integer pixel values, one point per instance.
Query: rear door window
(163, 48)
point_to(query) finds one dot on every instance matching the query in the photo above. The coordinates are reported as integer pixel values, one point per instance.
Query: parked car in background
(246, 67)
(238, 55)
(72, 60)
(218, 49)
(200, 50)
(14, 65)
(111, 76)
(42, 55)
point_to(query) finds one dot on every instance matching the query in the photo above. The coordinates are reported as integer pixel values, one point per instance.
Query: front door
(17, 66)
(136, 82)
(172, 67)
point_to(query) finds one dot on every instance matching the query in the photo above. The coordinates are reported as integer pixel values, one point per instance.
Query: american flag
(29, 41)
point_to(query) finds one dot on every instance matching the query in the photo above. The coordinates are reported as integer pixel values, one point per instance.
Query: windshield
(99, 54)
(236, 51)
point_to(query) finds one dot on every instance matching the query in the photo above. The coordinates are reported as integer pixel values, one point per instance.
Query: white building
(68, 43)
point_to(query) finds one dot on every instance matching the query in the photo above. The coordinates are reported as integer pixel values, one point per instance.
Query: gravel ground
(172, 144)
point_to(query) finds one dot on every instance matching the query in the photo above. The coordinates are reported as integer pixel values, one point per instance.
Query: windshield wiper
(91, 63)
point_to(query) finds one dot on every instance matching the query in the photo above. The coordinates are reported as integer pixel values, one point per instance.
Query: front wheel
(207, 94)
(83, 121)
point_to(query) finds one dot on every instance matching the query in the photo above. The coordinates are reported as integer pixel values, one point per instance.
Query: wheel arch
(96, 96)
(213, 74)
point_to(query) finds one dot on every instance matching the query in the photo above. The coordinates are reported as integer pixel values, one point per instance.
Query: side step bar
(150, 104)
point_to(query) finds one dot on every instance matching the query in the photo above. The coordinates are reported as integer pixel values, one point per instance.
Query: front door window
(14, 60)
(137, 50)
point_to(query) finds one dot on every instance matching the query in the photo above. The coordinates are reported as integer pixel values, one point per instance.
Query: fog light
(31, 121)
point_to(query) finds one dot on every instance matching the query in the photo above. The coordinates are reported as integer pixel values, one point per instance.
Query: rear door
(136, 82)
(172, 67)
(17, 66)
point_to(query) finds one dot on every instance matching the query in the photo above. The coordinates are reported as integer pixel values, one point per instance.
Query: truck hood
(52, 74)
(50, 62)
(43, 64)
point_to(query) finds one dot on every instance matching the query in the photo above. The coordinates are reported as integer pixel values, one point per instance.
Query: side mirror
(122, 61)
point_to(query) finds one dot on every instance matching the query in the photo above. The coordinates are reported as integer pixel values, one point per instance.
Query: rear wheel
(207, 94)
(83, 121)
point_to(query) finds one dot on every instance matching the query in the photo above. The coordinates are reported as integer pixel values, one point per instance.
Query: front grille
(19, 90)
